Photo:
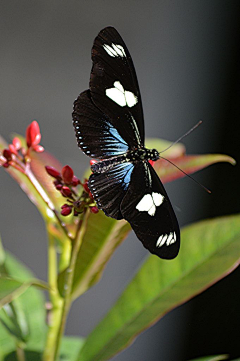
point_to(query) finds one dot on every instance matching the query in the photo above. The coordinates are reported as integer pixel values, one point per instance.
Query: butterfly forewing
(95, 134)
(114, 86)
(147, 208)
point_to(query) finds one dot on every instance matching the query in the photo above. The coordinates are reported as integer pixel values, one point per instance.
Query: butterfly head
(154, 154)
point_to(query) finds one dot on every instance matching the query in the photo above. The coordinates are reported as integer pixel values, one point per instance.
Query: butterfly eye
(155, 155)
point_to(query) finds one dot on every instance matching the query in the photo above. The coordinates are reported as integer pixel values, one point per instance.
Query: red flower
(16, 143)
(7, 154)
(66, 210)
(75, 181)
(53, 172)
(12, 149)
(85, 186)
(94, 209)
(33, 137)
(67, 174)
(66, 192)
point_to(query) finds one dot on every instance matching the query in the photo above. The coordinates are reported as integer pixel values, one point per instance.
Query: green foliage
(79, 249)
(23, 322)
(102, 237)
(210, 249)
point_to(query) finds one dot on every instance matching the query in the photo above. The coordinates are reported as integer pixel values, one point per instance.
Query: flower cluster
(16, 154)
(66, 183)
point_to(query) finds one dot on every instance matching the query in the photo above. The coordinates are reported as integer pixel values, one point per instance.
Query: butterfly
(109, 127)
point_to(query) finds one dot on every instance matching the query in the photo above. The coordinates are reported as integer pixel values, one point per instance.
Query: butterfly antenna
(183, 136)
(205, 188)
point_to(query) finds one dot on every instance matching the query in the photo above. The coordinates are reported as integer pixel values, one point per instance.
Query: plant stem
(20, 353)
(61, 305)
(76, 244)
(56, 302)
(45, 197)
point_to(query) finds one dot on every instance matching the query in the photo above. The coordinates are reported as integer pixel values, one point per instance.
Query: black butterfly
(109, 126)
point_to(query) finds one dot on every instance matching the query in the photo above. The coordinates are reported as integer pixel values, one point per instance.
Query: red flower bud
(65, 205)
(33, 135)
(66, 192)
(38, 148)
(53, 172)
(75, 181)
(94, 209)
(12, 149)
(85, 186)
(7, 154)
(67, 174)
(17, 143)
(58, 186)
(66, 210)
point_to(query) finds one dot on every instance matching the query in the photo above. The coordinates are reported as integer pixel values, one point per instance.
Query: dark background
(185, 54)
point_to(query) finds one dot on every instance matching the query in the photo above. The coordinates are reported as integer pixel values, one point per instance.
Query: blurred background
(186, 57)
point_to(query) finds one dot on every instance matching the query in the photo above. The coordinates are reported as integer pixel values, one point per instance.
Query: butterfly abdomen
(104, 165)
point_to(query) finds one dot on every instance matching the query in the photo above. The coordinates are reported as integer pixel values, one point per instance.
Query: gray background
(185, 54)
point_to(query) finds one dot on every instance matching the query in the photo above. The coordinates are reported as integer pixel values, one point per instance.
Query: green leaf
(11, 288)
(102, 237)
(14, 320)
(188, 164)
(28, 356)
(210, 250)
(212, 358)
(12, 315)
(29, 311)
(70, 348)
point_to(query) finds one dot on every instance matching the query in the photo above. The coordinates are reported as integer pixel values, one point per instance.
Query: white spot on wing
(109, 50)
(167, 239)
(114, 50)
(152, 210)
(159, 241)
(119, 86)
(149, 202)
(119, 49)
(131, 99)
(157, 198)
(117, 96)
(120, 96)
(145, 203)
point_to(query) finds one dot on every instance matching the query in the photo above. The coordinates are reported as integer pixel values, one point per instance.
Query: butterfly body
(138, 155)
(109, 127)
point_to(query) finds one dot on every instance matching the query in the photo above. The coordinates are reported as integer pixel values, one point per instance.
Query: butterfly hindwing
(147, 208)
(109, 188)
(114, 86)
